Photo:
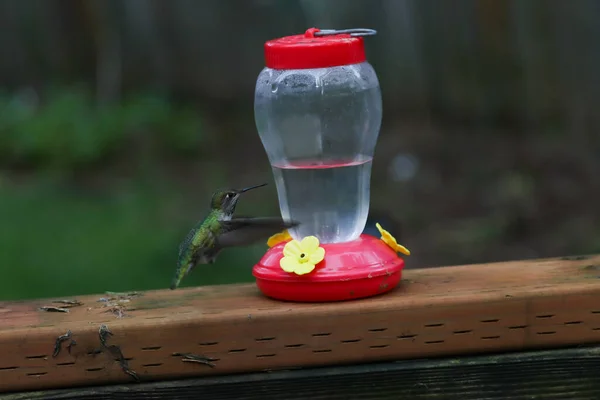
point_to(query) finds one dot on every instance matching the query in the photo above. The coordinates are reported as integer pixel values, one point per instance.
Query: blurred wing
(245, 231)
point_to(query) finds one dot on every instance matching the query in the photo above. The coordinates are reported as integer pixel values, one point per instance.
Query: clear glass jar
(319, 127)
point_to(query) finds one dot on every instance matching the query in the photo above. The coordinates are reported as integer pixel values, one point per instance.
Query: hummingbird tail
(180, 274)
(177, 278)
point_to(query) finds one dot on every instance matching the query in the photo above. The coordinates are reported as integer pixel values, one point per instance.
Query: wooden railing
(223, 330)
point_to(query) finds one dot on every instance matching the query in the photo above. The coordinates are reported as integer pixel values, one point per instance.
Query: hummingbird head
(226, 200)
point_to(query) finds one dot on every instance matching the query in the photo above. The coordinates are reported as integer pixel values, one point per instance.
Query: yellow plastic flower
(301, 257)
(278, 238)
(391, 241)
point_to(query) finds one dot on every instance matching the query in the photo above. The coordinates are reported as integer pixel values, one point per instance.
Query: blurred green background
(119, 118)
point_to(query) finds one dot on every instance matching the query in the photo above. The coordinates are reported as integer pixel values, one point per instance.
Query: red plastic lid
(310, 51)
(365, 257)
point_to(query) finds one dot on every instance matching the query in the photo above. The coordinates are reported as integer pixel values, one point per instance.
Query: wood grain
(446, 311)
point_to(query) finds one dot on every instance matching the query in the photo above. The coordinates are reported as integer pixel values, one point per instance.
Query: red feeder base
(361, 268)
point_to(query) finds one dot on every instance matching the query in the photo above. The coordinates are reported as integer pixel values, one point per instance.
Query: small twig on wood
(54, 309)
(68, 303)
(189, 357)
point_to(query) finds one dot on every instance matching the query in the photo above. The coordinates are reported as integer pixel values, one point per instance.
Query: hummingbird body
(219, 229)
(199, 246)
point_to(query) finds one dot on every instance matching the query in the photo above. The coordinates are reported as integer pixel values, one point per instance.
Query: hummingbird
(219, 229)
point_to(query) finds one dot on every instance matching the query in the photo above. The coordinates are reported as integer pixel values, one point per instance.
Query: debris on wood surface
(117, 303)
(60, 340)
(68, 303)
(54, 309)
(195, 358)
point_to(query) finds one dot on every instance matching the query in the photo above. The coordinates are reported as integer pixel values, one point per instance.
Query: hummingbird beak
(252, 187)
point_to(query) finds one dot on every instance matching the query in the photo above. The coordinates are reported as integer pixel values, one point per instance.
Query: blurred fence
(518, 60)
(488, 149)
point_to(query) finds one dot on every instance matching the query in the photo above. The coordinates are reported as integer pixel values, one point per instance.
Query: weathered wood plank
(435, 312)
(552, 374)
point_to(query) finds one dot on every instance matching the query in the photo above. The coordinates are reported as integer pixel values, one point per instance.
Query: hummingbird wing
(244, 231)
(188, 242)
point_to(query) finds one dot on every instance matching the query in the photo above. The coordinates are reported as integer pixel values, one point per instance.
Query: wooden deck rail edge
(450, 311)
(561, 374)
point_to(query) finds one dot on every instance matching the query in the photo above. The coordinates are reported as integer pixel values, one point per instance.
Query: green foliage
(55, 243)
(65, 129)
(59, 239)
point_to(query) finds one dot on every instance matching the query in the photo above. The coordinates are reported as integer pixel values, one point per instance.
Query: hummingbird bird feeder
(318, 112)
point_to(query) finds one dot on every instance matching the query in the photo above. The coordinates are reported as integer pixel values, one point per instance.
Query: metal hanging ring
(352, 32)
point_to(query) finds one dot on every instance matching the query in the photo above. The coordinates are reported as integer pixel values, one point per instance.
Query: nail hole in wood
(544, 316)
(546, 333)
(152, 348)
(152, 365)
(350, 340)
(322, 351)
(434, 342)
(462, 332)
(265, 339)
(294, 346)
(237, 350)
(36, 374)
(406, 336)
(36, 357)
(518, 327)
(573, 322)
(208, 343)
(378, 330)
(433, 325)
(490, 337)
(94, 369)
(488, 321)
(265, 355)
(379, 346)
(321, 334)
(64, 364)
